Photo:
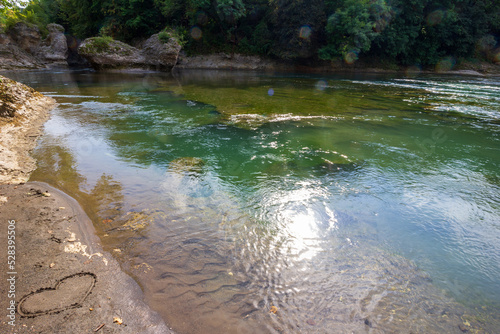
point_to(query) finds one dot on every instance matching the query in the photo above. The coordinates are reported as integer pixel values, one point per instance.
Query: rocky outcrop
(4, 39)
(23, 48)
(22, 114)
(13, 57)
(162, 56)
(105, 53)
(26, 36)
(15, 48)
(54, 49)
(17, 99)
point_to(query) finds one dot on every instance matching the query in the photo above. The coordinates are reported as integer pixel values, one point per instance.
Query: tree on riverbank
(404, 32)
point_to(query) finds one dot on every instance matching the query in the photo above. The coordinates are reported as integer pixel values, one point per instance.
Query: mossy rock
(106, 53)
(100, 45)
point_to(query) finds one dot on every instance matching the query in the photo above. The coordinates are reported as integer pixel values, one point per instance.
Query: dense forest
(403, 32)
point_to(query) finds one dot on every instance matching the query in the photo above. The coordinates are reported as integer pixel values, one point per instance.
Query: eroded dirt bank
(22, 114)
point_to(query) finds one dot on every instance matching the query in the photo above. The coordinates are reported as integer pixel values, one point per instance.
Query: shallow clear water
(350, 203)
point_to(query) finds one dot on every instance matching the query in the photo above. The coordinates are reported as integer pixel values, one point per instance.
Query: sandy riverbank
(58, 279)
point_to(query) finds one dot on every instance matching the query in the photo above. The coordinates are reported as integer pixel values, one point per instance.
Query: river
(288, 203)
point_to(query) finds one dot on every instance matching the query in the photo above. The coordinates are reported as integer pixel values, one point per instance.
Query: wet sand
(64, 281)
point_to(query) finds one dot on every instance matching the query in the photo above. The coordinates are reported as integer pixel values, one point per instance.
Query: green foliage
(6, 5)
(106, 44)
(353, 27)
(406, 32)
(230, 11)
(45, 11)
(177, 34)
(101, 44)
(260, 41)
(297, 27)
(13, 15)
(82, 17)
(409, 32)
(164, 36)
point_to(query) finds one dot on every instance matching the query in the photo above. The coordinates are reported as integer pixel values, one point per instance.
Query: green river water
(259, 203)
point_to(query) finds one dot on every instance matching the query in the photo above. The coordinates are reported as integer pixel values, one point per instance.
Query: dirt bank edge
(23, 111)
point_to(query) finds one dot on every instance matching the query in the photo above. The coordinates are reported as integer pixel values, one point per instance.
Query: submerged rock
(246, 121)
(187, 164)
(107, 53)
(328, 166)
(136, 221)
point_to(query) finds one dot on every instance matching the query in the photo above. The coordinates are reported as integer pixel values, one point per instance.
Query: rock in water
(4, 39)
(187, 165)
(105, 53)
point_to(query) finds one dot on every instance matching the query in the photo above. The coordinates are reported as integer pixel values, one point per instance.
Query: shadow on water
(248, 203)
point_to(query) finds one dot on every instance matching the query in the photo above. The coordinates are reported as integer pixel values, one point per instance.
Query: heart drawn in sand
(69, 292)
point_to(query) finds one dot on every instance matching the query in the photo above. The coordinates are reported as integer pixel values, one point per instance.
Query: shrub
(177, 34)
(13, 16)
(101, 44)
